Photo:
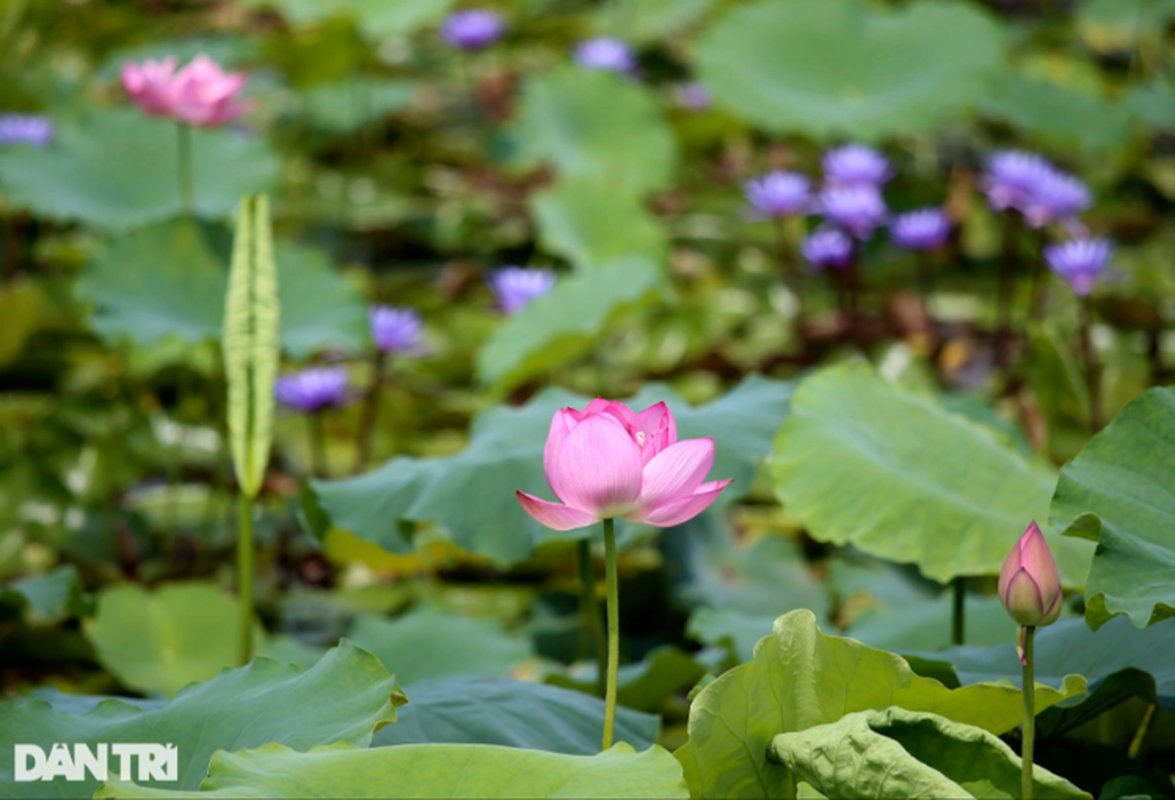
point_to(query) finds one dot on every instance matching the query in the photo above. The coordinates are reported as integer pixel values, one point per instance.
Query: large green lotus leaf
(864, 461)
(645, 21)
(117, 168)
(378, 19)
(895, 754)
(1061, 118)
(801, 678)
(463, 709)
(846, 68)
(1118, 660)
(1152, 105)
(345, 697)
(170, 279)
(646, 685)
(472, 495)
(561, 326)
(161, 641)
(430, 643)
(591, 224)
(598, 125)
(430, 771)
(1120, 492)
(51, 595)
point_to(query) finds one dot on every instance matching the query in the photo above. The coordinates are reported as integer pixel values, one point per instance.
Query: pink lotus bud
(201, 93)
(1030, 586)
(607, 461)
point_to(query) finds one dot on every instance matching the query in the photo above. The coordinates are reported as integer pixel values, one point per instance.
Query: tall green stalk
(1029, 693)
(245, 577)
(613, 589)
(184, 166)
(251, 348)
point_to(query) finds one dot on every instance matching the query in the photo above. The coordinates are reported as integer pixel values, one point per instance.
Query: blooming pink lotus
(1030, 586)
(607, 461)
(200, 94)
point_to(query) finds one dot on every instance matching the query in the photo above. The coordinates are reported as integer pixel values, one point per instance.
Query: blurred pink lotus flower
(200, 94)
(607, 461)
(1030, 586)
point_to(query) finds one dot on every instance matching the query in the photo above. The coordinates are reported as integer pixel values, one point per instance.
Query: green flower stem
(1092, 371)
(370, 411)
(1009, 266)
(184, 165)
(959, 587)
(791, 271)
(589, 608)
(613, 632)
(245, 576)
(317, 444)
(1029, 693)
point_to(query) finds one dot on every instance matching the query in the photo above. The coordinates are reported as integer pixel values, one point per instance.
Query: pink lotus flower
(201, 93)
(607, 461)
(1030, 586)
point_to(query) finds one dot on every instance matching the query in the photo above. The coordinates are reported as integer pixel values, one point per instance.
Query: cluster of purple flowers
(851, 204)
(1026, 183)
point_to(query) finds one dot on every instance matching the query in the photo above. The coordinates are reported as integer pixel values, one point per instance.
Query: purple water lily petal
(778, 193)
(25, 129)
(924, 229)
(605, 53)
(827, 247)
(472, 29)
(312, 389)
(855, 165)
(1079, 261)
(858, 209)
(395, 330)
(516, 287)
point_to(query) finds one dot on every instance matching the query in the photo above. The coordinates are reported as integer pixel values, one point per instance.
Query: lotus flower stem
(370, 410)
(1029, 693)
(245, 577)
(959, 588)
(589, 608)
(184, 165)
(613, 631)
(1089, 361)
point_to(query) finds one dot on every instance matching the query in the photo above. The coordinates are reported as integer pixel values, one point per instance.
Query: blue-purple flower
(858, 209)
(25, 129)
(516, 287)
(1012, 178)
(924, 229)
(827, 247)
(312, 389)
(395, 330)
(605, 53)
(1079, 261)
(855, 165)
(1056, 197)
(694, 96)
(472, 29)
(778, 194)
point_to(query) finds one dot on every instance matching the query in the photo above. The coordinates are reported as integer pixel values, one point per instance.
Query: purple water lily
(858, 209)
(855, 165)
(395, 330)
(26, 129)
(472, 29)
(605, 53)
(516, 287)
(778, 194)
(312, 389)
(924, 229)
(1079, 261)
(827, 247)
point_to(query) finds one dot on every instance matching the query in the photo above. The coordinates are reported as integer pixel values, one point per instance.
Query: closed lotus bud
(1030, 586)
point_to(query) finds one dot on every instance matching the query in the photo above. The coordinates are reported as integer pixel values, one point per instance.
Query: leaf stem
(613, 631)
(245, 577)
(1009, 263)
(1140, 735)
(184, 166)
(959, 588)
(1029, 693)
(791, 272)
